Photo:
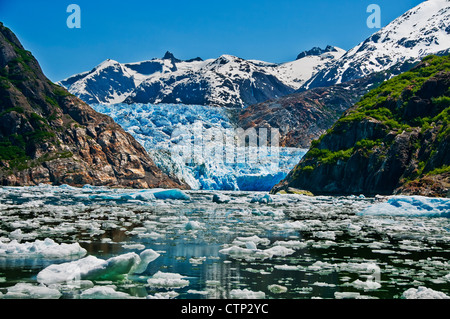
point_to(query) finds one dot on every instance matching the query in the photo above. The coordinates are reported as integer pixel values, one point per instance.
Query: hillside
(396, 140)
(48, 135)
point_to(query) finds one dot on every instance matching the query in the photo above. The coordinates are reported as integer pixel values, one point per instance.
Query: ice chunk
(424, 293)
(31, 291)
(262, 199)
(104, 292)
(171, 194)
(246, 294)
(193, 225)
(167, 280)
(237, 252)
(93, 268)
(164, 295)
(412, 206)
(147, 256)
(240, 241)
(44, 249)
(277, 289)
(365, 285)
(221, 199)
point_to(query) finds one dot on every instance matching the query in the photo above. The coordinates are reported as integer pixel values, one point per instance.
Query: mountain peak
(169, 56)
(316, 51)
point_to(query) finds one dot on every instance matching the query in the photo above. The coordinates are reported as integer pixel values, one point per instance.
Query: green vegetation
(390, 105)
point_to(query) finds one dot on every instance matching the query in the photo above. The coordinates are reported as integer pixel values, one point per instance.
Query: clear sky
(131, 31)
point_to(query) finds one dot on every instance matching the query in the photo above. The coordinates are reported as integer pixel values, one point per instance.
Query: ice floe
(424, 293)
(47, 248)
(167, 280)
(411, 206)
(93, 268)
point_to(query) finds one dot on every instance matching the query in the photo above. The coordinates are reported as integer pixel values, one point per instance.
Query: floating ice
(277, 289)
(249, 254)
(246, 294)
(424, 293)
(365, 285)
(31, 291)
(221, 198)
(44, 249)
(93, 268)
(262, 199)
(167, 280)
(104, 292)
(144, 195)
(411, 206)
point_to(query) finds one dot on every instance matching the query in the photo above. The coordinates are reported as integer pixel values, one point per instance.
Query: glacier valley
(199, 145)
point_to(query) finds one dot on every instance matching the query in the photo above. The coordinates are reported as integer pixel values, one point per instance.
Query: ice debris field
(100, 243)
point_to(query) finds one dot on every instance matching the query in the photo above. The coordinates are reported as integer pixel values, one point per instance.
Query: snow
(91, 267)
(424, 293)
(411, 206)
(417, 33)
(118, 81)
(44, 249)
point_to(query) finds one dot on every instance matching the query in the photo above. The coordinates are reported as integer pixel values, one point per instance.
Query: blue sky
(131, 31)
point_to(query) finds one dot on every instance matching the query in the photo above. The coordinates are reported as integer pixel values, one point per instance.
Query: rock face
(48, 135)
(396, 140)
(304, 116)
(421, 31)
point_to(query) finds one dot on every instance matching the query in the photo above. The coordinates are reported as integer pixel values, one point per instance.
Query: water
(293, 247)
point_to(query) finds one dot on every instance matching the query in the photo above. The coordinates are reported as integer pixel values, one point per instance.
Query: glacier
(198, 144)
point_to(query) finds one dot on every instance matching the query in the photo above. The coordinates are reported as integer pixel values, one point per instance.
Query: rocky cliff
(396, 140)
(49, 136)
(304, 116)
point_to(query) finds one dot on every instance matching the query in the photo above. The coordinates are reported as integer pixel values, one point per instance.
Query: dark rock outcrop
(396, 140)
(48, 135)
(304, 116)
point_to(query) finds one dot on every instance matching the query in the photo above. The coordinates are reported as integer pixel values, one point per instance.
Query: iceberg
(104, 292)
(47, 248)
(31, 291)
(167, 280)
(423, 293)
(410, 206)
(93, 268)
(246, 294)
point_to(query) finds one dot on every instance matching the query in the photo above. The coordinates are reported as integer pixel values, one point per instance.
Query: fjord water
(250, 245)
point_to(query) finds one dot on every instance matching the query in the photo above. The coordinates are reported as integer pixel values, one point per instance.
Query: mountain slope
(419, 32)
(395, 140)
(226, 81)
(304, 116)
(48, 135)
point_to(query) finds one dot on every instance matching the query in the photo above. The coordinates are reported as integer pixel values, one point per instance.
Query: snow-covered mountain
(421, 31)
(226, 81)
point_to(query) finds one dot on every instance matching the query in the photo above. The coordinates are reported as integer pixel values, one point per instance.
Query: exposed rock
(396, 140)
(304, 116)
(50, 136)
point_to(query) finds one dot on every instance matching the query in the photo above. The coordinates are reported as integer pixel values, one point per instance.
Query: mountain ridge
(226, 81)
